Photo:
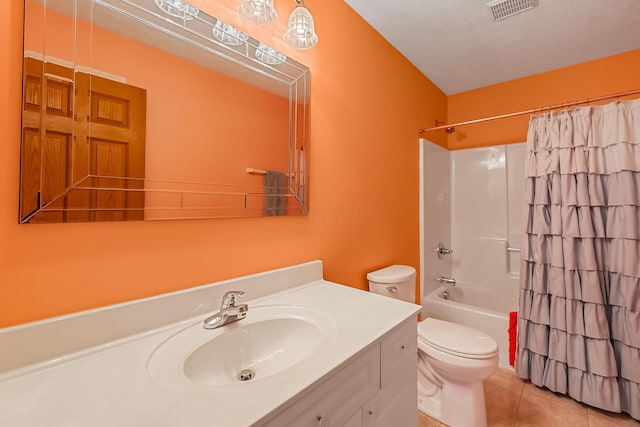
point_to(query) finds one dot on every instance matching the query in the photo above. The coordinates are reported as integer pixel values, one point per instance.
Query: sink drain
(246, 375)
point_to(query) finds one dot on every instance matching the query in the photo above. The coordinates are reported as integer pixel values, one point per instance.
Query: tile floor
(512, 402)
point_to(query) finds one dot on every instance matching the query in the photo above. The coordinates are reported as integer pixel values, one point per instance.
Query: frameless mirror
(152, 109)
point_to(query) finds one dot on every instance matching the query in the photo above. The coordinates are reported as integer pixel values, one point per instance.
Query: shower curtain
(579, 318)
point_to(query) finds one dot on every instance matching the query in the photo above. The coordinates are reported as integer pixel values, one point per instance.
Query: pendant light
(178, 8)
(258, 12)
(301, 33)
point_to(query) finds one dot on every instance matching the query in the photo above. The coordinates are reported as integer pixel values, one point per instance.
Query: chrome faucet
(446, 280)
(229, 311)
(441, 250)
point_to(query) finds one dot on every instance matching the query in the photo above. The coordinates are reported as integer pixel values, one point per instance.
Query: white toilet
(453, 360)
(396, 281)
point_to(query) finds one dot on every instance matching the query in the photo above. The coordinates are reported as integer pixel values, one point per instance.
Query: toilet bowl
(453, 360)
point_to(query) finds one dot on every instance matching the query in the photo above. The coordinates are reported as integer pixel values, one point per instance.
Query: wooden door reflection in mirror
(71, 116)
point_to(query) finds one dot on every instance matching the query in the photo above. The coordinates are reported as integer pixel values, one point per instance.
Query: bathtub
(477, 308)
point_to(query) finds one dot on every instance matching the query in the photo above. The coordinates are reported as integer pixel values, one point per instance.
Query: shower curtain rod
(450, 128)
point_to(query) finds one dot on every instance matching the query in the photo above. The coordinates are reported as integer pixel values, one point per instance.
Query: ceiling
(459, 47)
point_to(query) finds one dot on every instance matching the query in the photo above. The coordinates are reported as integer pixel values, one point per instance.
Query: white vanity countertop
(109, 385)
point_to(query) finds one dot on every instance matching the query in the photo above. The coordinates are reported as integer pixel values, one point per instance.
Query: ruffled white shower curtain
(579, 317)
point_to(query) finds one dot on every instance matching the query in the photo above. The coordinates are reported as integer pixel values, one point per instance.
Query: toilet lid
(456, 339)
(392, 274)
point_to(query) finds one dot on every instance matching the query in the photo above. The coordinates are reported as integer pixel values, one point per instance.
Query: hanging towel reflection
(275, 187)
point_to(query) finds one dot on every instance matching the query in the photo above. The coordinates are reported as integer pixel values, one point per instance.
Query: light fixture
(301, 33)
(178, 8)
(258, 12)
(228, 34)
(269, 55)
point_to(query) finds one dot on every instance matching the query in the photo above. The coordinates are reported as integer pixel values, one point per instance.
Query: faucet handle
(441, 250)
(229, 298)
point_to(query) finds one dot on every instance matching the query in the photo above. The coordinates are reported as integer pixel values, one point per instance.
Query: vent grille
(501, 9)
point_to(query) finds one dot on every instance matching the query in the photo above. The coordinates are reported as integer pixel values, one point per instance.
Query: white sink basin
(271, 341)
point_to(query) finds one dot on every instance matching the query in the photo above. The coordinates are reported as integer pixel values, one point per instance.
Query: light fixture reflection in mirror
(269, 55)
(258, 12)
(228, 34)
(178, 8)
(301, 33)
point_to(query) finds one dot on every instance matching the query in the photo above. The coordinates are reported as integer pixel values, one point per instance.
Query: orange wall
(592, 79)
(367, 104)
(178, 109)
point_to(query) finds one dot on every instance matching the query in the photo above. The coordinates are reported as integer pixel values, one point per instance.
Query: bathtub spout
(446, 280)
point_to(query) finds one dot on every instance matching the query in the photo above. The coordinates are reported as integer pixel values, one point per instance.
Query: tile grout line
(588, 417)
(515, 421)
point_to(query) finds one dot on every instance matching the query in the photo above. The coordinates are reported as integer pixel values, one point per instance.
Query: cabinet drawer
(398, 347)
(333, 402)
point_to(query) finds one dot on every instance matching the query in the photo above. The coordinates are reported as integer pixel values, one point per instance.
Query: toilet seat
(456, 340)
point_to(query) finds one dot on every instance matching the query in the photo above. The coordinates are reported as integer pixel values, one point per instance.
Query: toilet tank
(395, 281)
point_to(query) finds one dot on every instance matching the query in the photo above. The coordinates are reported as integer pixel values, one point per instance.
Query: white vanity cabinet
(375, 388)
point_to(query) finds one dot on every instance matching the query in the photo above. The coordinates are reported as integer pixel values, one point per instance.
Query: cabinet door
(333, 402)
(397, 403)
(398, 349)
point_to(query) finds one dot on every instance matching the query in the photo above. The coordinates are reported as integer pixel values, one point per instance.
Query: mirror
(152, 109)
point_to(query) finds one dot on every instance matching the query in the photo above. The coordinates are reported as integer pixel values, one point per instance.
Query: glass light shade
(258, 12)
(228, 34)
(178, 8)
(269, 55)
(301, 32)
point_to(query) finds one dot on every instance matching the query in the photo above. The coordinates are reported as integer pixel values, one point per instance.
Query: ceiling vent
(501, 9)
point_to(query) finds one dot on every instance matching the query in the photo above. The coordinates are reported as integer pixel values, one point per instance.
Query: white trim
(51, 59)
(77, 68)
(94, 72)
(56, 77)
(421, 142)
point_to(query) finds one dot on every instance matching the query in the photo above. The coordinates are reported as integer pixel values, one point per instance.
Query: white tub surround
(107, 382)
(435, 214)
(472, 202)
